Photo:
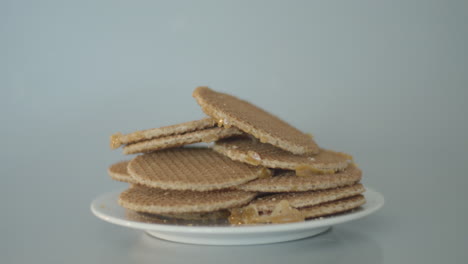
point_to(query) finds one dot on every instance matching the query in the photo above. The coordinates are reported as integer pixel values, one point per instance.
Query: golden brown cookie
(231, 111)
(204, 135)
(215, 217)
(197, 169)
(283, 212)
(253, 152)
(333, 207)
(288, 181)
(157, 201)
(119, 139)
(118, 171)
(304, 199)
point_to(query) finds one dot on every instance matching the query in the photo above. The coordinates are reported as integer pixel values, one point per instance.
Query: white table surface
(386, 82)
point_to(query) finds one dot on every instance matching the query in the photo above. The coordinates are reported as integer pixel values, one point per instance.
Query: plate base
(242, 239)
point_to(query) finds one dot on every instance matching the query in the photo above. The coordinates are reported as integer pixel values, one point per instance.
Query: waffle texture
(288, 181)
(231, 111)
(157, 201)
(305, 199)
(198, 169)
(203, 135)
(257, 153)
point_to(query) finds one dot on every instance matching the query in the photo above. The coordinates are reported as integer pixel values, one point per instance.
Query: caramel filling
(253, 158)
(307, 170)
(224, 123)
(244, 215)
(264, 173)
(285, 213)
(282, 213)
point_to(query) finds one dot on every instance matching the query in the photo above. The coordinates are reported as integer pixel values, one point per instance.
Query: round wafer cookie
(305, 199)
(215, 215)
(118, 171)
(257, 153)
(334, 207)
(231, 111)
(157, 201)
(198, 169)
(288, 181)
(203, 135)
(118, 139)
(191, 218)
(283, 212)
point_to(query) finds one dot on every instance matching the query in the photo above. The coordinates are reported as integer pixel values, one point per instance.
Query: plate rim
(373, 205)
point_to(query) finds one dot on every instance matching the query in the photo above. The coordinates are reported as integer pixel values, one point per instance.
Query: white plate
(107, 208)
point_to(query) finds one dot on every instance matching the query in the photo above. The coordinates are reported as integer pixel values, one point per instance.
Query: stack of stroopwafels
(259, 170)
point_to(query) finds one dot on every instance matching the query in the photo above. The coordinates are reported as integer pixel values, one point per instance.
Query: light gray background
(384, 81)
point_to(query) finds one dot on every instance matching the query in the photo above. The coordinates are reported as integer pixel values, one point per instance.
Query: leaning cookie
(232, 111)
